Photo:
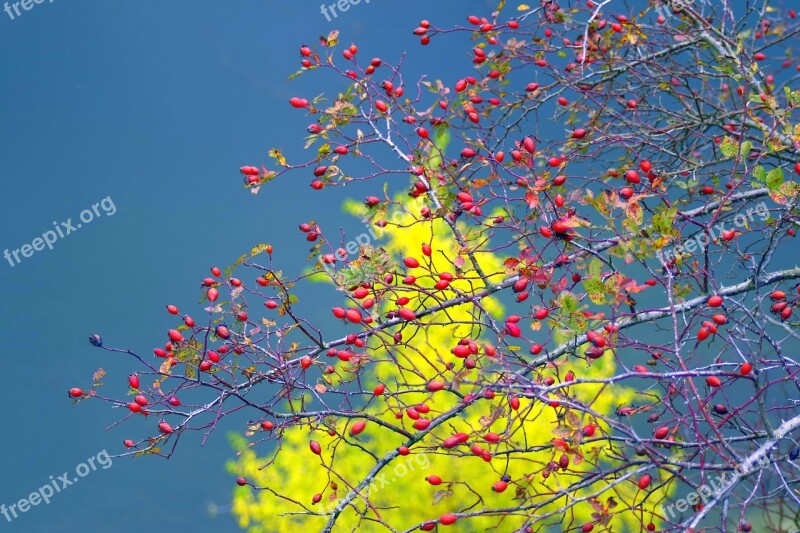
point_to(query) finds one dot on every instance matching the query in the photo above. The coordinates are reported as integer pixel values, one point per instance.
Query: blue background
(155, 104)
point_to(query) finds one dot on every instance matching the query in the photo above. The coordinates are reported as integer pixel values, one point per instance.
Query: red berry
(434, 386)
(353, 315)
(563, 461)
(407, 314)
(745, 369)
(492, 437)
(529, 145)
(165, 428)
(75, 392)
(357, 427)
(448, 519)
(500, 486)
(133, 381)
(513, 329)
(410, 262)
(421, 424)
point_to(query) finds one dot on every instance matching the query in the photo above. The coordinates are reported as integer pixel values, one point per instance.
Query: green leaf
(785, 193)
(728, 148)
(663, 221)
(596, 290)
(568, 303)
(759, 173)
(595, 267)
(774, 178)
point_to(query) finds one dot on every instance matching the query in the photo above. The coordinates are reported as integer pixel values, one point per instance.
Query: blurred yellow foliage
(401, 496)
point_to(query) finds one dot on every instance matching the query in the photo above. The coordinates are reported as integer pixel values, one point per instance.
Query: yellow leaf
(278, 156)
(257, 249)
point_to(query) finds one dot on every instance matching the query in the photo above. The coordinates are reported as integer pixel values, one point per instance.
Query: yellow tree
(517, 459)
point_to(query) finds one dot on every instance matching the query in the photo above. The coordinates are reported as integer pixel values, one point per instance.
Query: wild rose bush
(577, 307)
